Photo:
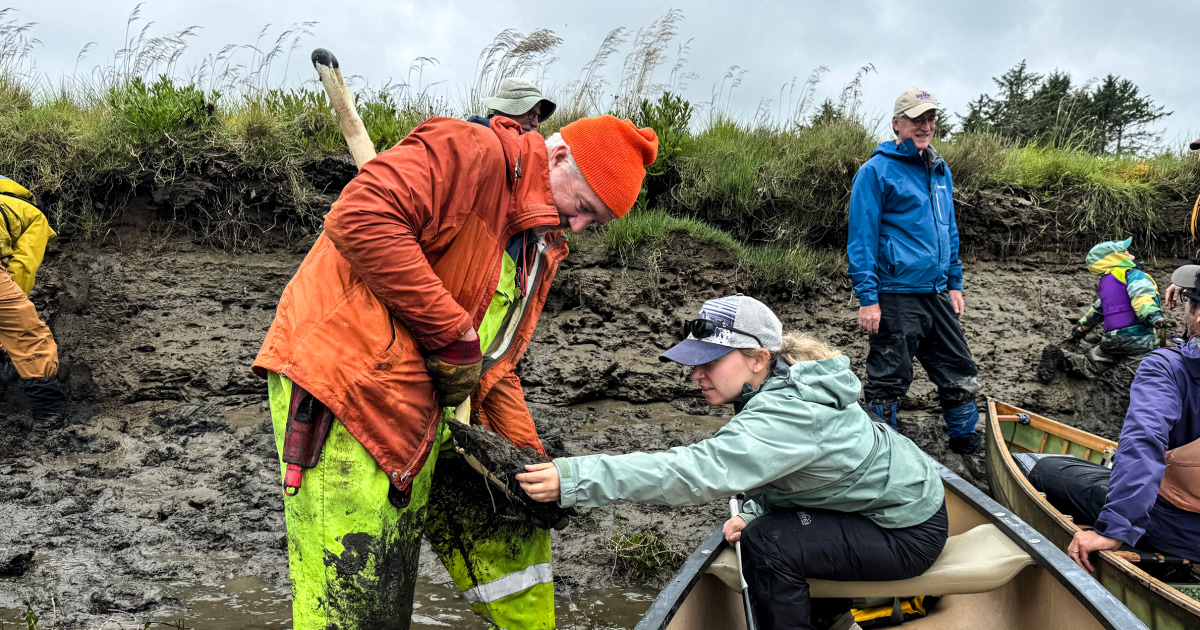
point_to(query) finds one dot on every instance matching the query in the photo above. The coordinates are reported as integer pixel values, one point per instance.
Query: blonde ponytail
(799, 347)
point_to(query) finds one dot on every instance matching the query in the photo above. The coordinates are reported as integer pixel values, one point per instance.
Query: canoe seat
(976, 561)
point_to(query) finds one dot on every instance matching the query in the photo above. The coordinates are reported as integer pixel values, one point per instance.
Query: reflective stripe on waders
(510, 584)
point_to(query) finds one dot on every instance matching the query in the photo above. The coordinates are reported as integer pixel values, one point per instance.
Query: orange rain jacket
(409, 260)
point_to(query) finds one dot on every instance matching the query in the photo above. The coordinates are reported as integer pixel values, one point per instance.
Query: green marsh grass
(774, 190)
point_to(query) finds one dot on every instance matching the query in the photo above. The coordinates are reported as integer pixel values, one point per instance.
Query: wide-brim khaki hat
(914, 102)
(517, 96)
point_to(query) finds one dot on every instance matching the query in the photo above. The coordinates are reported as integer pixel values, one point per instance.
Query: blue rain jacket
(903, 236)
(1164, 413)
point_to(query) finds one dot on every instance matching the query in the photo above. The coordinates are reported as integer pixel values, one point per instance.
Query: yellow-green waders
(353, 552)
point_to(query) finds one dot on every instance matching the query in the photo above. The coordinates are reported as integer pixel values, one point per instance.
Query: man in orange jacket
(427, 285)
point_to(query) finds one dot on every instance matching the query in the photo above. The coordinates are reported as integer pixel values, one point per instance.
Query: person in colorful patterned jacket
(1129, 308)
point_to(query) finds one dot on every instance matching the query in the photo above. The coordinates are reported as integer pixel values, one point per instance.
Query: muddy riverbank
(161, 500)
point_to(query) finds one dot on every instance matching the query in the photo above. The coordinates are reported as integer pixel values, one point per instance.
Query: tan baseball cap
(915, 101)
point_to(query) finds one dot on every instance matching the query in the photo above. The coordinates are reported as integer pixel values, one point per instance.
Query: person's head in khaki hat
(915, 117)
(521, 101)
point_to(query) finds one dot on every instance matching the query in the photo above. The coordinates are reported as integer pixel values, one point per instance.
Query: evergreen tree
(1110, 118)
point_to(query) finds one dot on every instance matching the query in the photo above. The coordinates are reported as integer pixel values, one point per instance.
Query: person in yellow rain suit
(24, 234)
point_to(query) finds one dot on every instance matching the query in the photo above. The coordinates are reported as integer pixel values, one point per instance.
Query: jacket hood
(1191, 349)
(827, 382)
(1110, 255)
(12, 188)
(906, 151)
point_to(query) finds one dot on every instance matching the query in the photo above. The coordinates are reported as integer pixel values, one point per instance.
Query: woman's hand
(733, 529)
(541, 482)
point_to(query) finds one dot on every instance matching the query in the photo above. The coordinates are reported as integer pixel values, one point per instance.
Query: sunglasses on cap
(701, 328)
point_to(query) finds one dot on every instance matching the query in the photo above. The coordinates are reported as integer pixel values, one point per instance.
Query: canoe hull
(1159, 606)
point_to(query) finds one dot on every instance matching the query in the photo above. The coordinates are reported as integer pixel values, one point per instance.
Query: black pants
(783, 549)
(1073, 486)
(919, 326)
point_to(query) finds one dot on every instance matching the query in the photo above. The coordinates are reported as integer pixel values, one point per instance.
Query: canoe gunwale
(1006, 466)
(672, 596)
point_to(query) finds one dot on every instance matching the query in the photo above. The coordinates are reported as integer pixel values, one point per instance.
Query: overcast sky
(951, 48)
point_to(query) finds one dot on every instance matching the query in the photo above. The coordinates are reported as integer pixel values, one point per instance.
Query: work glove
(455, 371)
(1160, 323)
(1079, 332)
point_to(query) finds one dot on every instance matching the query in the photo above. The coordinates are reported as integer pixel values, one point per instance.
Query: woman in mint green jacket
(832, 494)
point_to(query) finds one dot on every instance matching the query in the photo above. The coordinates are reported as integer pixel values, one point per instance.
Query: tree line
(1109, 116)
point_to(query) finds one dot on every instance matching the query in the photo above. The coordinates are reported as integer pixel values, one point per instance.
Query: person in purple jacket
(1164, 414)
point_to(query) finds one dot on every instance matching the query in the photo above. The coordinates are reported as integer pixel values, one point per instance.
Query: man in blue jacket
(903, 252)
(1151, 501)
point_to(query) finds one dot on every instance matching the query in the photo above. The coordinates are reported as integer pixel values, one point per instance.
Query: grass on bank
(773, 191)
(796, 266)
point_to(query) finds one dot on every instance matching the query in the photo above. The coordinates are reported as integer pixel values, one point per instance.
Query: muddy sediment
(166, 480)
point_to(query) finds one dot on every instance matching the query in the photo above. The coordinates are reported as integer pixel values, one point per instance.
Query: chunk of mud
(15, 565)
(505, 461)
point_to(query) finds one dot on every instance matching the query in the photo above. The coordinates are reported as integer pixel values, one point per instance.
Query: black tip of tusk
(324, 58)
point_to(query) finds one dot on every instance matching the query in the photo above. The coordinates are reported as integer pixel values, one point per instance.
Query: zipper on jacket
(937, 225)
(510, 332)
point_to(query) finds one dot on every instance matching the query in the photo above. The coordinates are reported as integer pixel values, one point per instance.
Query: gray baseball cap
(517, 96)
(1186, 276)
(737, 321)
(915, 101)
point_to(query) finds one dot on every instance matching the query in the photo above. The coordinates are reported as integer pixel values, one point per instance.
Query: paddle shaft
(735, 503)
(357, 138)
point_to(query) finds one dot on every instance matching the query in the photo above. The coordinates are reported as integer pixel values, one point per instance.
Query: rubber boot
(1052, 360)
(884, 412)
(960, 424)
(47, 402)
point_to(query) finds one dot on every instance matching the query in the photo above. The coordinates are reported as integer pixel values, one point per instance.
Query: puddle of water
(12, 618)
(443, 606)
(248, 416)
(251, 604)
(244, 602)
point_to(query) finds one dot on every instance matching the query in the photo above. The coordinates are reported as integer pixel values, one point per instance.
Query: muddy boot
(1052, 360)
(47, 402)
(883, 412)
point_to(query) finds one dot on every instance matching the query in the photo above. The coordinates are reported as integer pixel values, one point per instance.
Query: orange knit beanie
(613, 156)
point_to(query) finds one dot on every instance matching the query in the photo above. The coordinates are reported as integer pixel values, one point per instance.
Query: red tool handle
(292, 479)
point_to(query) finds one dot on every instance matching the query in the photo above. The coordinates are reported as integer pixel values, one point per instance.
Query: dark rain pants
(1112, 349)
(920, 326)
(782, 550)
(1074, 486)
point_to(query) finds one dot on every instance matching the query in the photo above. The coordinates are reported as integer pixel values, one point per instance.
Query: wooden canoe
(1011, 429)
(1044, 590)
